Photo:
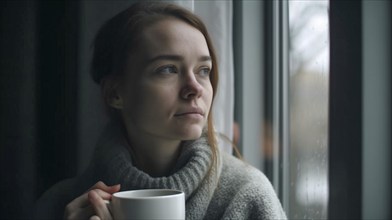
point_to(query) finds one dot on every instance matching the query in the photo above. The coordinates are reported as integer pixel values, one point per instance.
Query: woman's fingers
(109, 189)
(78, 213)
(83, 200)
(102, 189)
(91, 203)
(99, 205)
(80, 202)
(97, 196)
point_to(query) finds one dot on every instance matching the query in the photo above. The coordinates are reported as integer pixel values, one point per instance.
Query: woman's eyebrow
(166, 57)
(205, 58)
(176, 58)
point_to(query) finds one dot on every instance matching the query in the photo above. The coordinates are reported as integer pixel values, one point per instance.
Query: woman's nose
(191, 88)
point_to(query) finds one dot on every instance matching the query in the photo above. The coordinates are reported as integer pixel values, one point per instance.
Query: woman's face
(167, 93)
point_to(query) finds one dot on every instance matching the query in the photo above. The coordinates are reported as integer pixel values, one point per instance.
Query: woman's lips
(190, 113)
(195, 116)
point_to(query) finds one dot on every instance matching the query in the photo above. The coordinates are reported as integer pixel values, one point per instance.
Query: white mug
(148, 204)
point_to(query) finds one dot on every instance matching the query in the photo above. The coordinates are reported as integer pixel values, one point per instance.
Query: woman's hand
(91, 205)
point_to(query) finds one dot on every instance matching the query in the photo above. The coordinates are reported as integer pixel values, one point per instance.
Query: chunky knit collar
(112, 164)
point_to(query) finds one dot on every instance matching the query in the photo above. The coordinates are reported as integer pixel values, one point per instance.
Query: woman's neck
(154, 156)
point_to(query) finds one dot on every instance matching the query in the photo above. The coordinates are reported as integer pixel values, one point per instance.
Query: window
(281, 51)
(295, 67)
(308, 107)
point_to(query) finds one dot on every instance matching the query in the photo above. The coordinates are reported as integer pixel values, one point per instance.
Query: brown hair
(117, 39)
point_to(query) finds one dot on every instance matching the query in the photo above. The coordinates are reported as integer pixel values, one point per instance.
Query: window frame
(345, 111)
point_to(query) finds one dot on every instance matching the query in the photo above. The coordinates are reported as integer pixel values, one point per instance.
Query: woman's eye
(205, 71)
(167, 70)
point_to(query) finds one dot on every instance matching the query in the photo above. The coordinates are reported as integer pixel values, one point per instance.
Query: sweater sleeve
(52, 203)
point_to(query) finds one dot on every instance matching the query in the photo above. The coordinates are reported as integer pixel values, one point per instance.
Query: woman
(158, 73)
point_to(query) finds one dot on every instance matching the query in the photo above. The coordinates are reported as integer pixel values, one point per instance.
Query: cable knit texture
(231, 190)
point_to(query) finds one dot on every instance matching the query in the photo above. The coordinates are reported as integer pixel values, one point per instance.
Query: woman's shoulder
(239, 169)
(237, 175)
(248, 187)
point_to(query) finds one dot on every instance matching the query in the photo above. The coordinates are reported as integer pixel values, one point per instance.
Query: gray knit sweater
(232, 190)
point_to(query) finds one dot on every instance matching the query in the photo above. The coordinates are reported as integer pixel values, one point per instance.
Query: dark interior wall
(56, 89)
(18, 100)
(39, 41)
(51, 112)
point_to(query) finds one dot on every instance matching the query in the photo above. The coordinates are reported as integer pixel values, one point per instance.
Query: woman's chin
(191, 134)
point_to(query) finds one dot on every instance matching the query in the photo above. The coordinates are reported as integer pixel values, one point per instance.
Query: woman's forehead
(172, 36)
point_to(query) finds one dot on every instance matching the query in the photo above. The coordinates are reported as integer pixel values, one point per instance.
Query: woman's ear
(111, 93)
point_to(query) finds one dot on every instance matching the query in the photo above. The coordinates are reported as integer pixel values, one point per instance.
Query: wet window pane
(309, 72)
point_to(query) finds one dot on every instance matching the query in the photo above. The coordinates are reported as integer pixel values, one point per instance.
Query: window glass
(309, 72)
